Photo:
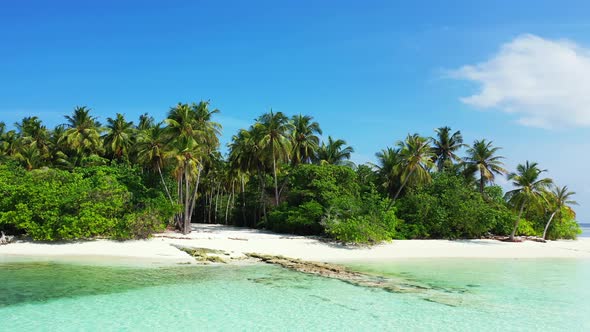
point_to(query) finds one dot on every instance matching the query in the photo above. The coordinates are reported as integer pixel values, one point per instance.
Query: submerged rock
(342, 273)
(205, 255)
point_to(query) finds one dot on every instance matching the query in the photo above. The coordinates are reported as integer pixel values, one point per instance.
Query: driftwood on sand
(5, 239)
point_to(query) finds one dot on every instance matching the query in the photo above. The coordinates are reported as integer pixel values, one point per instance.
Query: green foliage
(313, 190)
(564, 228)
(372, 222)
(449, 207)
(50, 204)
(327, 199)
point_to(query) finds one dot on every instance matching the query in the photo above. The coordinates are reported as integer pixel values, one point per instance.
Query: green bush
(565, 227)
(50, 204)
(372, 222)
(449, 207)
(313, 190)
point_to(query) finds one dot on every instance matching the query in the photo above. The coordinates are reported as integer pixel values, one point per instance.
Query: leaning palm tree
(83, 133)
(559, 198)
(151, 149)
(304, 139)
(445, 147)
(416, 157)
(274, 140)
(336, 152)
(118, 137)
(482, 158)
(388, 161)
(529, 189)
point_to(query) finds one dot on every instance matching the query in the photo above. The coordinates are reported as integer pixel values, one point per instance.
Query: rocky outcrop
(205, 255)
(450, 297)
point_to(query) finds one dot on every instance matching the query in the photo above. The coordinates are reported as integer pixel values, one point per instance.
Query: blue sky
(368, 71)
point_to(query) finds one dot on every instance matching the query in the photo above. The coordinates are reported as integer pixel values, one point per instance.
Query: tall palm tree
(151, 151)
(83, 133)
(336, 152)
(187, 172)
(33, 133)
(388, 161)
(194, 138)
(445, 146)
(304, 139)
(529, 189)
(208, 131)
(245, 158)
(416, 156)
(274, 129)
(118, 137)
(145, 122)
(559, 198)
(482, 157)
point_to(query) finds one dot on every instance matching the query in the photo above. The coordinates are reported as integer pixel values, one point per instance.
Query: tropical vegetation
(126, 179)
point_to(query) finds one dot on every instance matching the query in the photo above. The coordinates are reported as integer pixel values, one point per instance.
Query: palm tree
(145, 122)
(445, 147)
(151, 148)
(245, 158)
(416, 156)
(194, 139)
(187, 172)
(529, 188)
(33, 133)
(274, 129)
(559, 198)
(336, 152)
(118, 137)
(83, 133)
(304, 139)
(388, 161)
(29, 156)
(482, 158)
(208, 131)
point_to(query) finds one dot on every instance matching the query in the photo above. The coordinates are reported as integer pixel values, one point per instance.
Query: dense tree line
(278, 174)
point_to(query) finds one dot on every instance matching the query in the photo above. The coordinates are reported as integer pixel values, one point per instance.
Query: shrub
(50, 204)
(449, 207)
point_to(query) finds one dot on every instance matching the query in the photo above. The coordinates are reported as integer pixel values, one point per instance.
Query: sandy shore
(237, 241)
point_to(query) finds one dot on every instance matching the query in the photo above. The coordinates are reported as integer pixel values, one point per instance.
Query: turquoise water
(585, 230)
(453, 295)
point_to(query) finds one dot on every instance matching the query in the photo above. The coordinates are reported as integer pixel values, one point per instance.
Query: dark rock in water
(341, 273)
(205, 255)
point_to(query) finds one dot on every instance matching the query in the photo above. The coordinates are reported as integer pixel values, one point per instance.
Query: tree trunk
(243, 202)
(227, 207)
(262, 187)
(274, 168)
(165, 186)
(187, 221)
(400, 189)
(548, 223)
(517, 221)
(194, 199)
(481, 182)
(217, 201)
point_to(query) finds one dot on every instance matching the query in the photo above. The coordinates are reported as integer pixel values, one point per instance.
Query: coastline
(161, 249)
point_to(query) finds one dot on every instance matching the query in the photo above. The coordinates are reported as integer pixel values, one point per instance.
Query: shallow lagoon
(485, 294)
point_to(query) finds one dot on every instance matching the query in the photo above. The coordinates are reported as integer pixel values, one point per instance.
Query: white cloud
(546, 83)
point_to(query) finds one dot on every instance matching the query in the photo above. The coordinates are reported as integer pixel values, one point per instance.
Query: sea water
(447, 295)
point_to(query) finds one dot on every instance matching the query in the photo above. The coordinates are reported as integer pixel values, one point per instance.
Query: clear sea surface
(585, 230)
(449, 295)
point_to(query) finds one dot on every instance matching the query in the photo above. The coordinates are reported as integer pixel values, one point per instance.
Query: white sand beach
(238, 241)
